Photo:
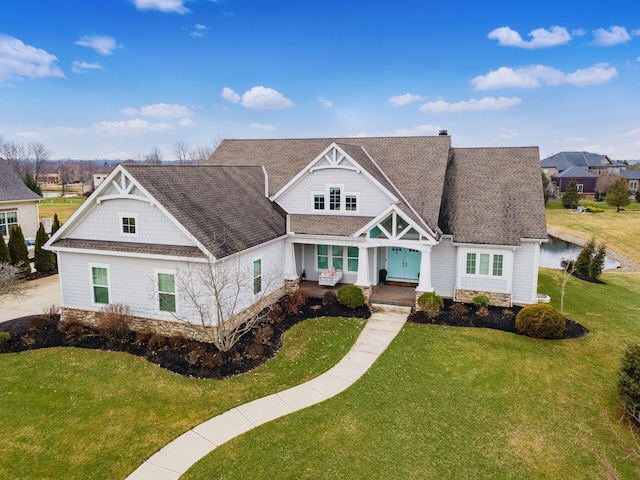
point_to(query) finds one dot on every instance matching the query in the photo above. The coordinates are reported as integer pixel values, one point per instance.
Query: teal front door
(404, 263)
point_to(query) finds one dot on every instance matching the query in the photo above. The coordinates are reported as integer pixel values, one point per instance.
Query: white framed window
(257, 276)
(334, 255)
(100, 283)
(7, 220)
(352, 258)
(318, 201)
(633, 185)
(129, 226)
(484, 264)
(351, 203)
(335, 198)
(166, 289)
(580, 187)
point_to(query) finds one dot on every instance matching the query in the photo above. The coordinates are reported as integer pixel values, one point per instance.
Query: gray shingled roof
(327, 224)
(562, 160)
(132, 247)
(493, 196)
(415, 165)
(575, 172)
(630, 174)
(224, 208)
(12, 188)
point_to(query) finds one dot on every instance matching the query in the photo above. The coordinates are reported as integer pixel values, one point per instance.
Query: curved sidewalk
(177, 457)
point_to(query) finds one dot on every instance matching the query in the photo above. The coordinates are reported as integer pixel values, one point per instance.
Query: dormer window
(351, 203)
(318, 202)
(129, 225)
(334, 198)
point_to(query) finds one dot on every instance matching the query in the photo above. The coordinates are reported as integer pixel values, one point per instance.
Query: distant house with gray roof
(634, 179)
(18, 204)
(455, 221)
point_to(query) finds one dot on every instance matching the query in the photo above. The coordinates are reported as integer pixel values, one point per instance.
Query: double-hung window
(323, 257)
(257, 276)
(352, 258)
(166, 291)
(318, 201)
(334, 198)
(100, 284)
(351, 203)
(337, 252)
(7, 220)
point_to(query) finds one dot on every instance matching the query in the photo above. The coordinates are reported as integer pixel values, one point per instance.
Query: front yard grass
(446, 402)
(621, 229)
(74, 413)
(63, 206)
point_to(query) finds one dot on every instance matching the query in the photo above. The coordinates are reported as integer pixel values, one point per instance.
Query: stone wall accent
(497, 299)
(174, 327)
(366, 291)
(292, 286)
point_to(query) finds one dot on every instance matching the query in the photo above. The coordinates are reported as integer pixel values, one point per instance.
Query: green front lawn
(74, 413)
(453, 403)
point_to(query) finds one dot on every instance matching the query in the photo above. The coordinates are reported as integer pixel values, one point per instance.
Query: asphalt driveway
(40, 294)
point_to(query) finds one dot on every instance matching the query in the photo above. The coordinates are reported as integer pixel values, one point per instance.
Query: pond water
(555, 250)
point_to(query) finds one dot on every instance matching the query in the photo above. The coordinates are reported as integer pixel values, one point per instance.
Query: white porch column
(424, 284)
(363, 267)
(289, 261)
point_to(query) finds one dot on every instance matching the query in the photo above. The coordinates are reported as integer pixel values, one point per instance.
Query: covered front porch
(381, 293)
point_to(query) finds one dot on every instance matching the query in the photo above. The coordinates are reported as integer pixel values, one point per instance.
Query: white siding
(103, 222)
(133, 280)
(443, 268)
(486, 283)
(525, 273)
(299, 198)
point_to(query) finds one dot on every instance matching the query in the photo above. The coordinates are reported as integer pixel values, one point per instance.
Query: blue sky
(112, 79)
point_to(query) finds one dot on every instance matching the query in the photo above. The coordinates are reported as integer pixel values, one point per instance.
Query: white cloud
(260, 126)
(166, 6)
(20, 60)
(102, 44)
(230, 96)
(473, 105)
(578, 32)
(198, 30)
(186, 122)
(418, 130)
(597, 75)
(82, 67)
(160, 110)
(541, 37)
(406, 99)
(614, 36)
(325, 103)
(129, 128)
(259, 98)
(534, 76)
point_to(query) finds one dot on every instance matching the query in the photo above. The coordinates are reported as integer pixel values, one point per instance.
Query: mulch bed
(499, 318)
(177, 354)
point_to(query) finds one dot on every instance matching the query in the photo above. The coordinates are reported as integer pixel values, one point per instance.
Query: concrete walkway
(177, 457)
(38, 295)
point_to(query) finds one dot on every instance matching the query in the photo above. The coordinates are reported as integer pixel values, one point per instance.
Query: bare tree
(182, 150)
(11, 280)
(25, 160)
(154, 156)
(38, 154)
(569, 269)
(201, 153)
(214, 293)
(605, 182)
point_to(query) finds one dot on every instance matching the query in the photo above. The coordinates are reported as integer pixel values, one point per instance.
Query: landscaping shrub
(73, 329)
(629, 380)
(482, 312)
(50, 312)
(4, 337)
(583, 262)
(212, 359)
(351, 296)
(276, 314)
(43, 260)
(592, 209)
(480, 301)
(142, 336)
(113, 322)
(263, 334)
(18, 251)
(540, 321)
(459, 310)
(329, 297)
(156, 343)
(177, 341)
(293, 302)
(507, 312)
(430, 303)
(38, 323)
(254, 350)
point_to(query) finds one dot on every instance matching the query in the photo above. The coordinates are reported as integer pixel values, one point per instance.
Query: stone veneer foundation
(174, 327)
(497, 299)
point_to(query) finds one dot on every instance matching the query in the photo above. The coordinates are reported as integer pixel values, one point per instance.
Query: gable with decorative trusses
(121, 211)
(393, 227)
(335, 183)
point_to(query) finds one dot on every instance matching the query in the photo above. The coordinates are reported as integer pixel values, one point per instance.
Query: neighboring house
(634, 179)
(592, 162)
(18, 204)
(457, 221)
(585, 180)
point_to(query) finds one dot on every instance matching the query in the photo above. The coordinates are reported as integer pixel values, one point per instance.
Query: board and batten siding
(443, 268)
(104, 222)
(525, 273)
(132, 281)
(298, 199)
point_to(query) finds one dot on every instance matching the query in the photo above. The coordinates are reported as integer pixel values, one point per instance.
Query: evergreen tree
(43, 260)
(32, 184)
(597, 262)
(5, 257)
(55, 226)
(546, 188)
(18, 250)
(618, 194)
(571, 197)
(638, 195)
(583, 262)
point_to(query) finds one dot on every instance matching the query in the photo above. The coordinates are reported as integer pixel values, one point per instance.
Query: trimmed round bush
(351, 296)
(540, 321)
(480, 301)
(430, 303)
(4, 337)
